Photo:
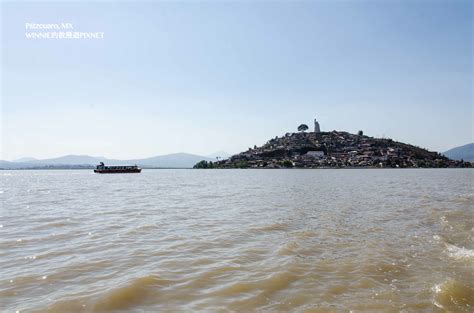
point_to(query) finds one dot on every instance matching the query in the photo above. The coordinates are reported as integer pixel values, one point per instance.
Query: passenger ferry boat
(102, 169)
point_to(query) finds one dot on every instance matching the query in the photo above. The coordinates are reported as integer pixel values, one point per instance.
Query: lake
(237, 240)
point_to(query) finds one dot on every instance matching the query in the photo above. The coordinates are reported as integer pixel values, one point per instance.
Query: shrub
(204, 164)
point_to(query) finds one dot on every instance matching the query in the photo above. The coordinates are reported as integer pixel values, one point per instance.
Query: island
(335, 149)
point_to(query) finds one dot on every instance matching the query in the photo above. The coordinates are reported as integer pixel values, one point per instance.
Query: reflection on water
(238, 240)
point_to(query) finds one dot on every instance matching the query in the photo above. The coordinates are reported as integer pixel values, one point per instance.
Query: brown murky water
(237, 240)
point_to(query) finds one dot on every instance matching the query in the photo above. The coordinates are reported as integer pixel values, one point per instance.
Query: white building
(316, 126)
(315, 154)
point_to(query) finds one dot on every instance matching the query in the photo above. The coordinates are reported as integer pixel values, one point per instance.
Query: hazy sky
(205, 76)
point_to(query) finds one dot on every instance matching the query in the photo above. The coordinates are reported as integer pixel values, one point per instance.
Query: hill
(69, 160)
(26, 159)
(465, 153)
(9, 165)
(336, 149)
(175, 160)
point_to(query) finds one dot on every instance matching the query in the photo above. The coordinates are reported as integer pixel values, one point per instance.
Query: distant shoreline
(248, 168)
(85, 168)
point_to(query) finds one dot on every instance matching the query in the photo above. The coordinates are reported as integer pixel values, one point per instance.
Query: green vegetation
(204, 164)
(241, 164)
(303, 128)
(287, 163)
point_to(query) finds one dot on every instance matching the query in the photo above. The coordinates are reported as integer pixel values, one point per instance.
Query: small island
(335, 149)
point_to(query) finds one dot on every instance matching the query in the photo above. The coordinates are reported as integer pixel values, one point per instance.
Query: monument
(316, 126)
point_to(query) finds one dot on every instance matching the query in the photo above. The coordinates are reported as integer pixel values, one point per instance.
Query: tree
(241, 164)
(204, 164)
(360, 133)
(303, 128)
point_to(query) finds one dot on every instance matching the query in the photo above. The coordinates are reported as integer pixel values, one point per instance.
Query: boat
(103, 169)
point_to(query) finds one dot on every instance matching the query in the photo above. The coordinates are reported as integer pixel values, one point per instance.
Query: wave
(134, 293)
(304, 234)
(289, 248)
(453, 296)
(459, 253)
(272, 227)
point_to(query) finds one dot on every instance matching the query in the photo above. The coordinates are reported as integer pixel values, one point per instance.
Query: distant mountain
(465, 153)
(27, 159)
(69, 160)
(175, 160)
(10, 165)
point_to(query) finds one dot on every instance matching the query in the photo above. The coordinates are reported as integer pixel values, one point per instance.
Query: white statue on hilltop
(316, 126)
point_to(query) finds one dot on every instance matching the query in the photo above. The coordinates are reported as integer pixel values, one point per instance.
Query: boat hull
(127, 171)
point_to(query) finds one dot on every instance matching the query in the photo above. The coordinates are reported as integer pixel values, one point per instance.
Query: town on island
(335, 149)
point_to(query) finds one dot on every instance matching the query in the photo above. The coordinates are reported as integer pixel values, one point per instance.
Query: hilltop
(336, 149)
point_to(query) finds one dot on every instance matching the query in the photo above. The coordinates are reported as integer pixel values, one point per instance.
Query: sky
(201, 77)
